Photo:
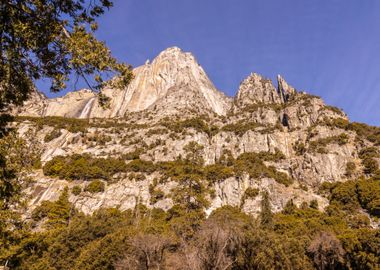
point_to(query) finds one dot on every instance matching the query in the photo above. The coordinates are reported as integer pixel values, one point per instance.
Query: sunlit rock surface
(261, 117)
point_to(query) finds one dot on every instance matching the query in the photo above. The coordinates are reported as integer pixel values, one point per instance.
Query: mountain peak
(176, 55)
(173, 72)
(256, 89)
(173, 83)
(171, 50)
(284, 89)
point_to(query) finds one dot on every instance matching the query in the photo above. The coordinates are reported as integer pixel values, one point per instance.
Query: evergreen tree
(266, 215)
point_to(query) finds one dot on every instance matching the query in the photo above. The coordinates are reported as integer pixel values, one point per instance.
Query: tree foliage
(83, 167)
(53, 39)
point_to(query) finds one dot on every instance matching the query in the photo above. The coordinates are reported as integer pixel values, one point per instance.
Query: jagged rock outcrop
(255, 89)
(305, 110)
(284, 89)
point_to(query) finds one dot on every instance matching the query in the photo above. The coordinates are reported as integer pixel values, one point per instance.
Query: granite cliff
(170, 103)
(173, 80)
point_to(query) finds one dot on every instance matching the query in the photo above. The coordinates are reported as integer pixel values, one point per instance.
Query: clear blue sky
(330, 48)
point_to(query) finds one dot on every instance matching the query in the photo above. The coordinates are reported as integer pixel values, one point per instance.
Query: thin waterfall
(87, 109)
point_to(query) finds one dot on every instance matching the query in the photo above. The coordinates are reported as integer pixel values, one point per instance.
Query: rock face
(34, 106)
(257, 90)
(285, 90)
(173, 80)
(170, 103)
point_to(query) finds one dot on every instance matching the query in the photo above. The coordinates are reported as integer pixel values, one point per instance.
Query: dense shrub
(100, 139)
(257, 106)
(337, 122)
(350, 168)
(71, 124)
(351, 195)
(95, 186)
(197, 123)
(345, 194)
(313, 204)
(156, 131)
(217, 172)
(139, 165)
(370, 133)
(364, 131)
(369, 152)
(253, 164)
(249, 193)
(369, 196)
(135, 154)
(83, 167)
(241, 127)
(371, 165)
(334, 109)
(55, 133)
(76, 190)
(320, 145)
(156, 194)
(368, 156)
(299, 148)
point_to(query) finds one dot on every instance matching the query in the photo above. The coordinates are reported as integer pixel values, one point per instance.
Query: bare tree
(326, 251)
(213, 248)
(147, 253)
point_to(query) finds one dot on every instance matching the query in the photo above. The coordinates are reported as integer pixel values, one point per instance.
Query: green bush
(55, 133)
(337, 122)
(156, 194)
(313, 204)
(351, 195)
(100, 139)
(135, 154)
(83, 167)
(217, 172)
(269, 156)
(257, 106)
(95, 186)
(350, 168)
(76, 190)
(241, 127)
(368, 156)
(334, 109)
(299, 148)
(252, 163)
(345, 195)
(364, 131)
(250, 193)
(71, 124)
(157, 131)
(197, 123)
(109, 237)
(369, 152)
(320, 145)
(139, 165)
(371, 165)
(369, 196)
(370, 133)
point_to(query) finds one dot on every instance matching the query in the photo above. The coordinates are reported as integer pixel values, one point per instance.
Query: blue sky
(329, 48)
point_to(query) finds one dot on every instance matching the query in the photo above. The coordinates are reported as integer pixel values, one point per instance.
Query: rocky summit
(174, 81)
(138, 148)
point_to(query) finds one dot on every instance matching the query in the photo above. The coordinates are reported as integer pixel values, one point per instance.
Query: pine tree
(266, 215)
